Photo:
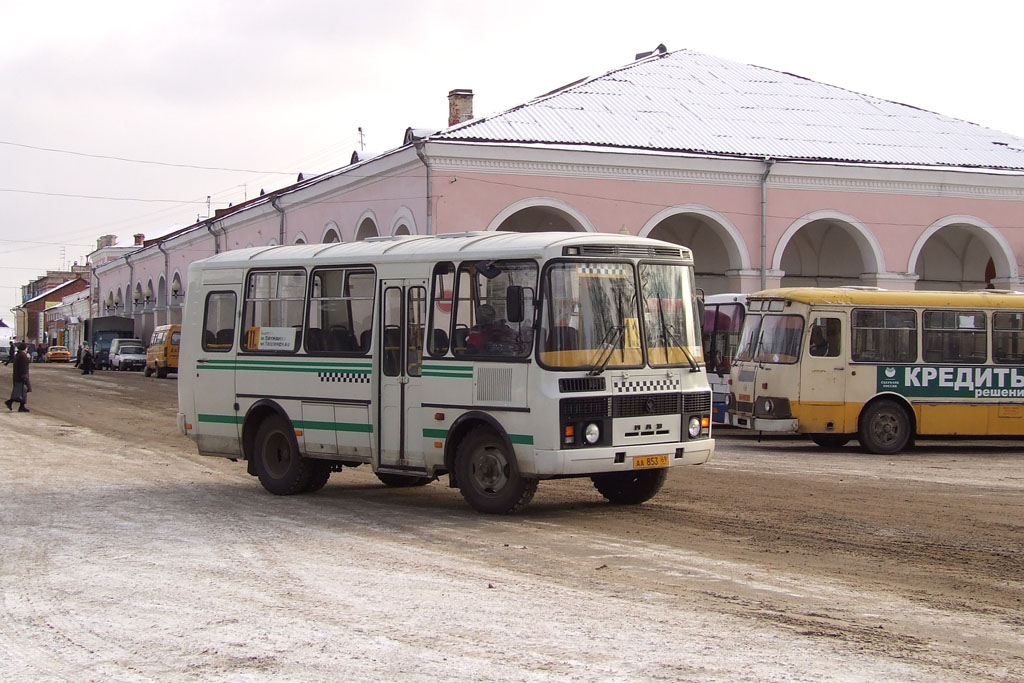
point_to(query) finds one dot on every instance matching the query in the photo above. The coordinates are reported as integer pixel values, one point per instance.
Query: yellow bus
(882, 366)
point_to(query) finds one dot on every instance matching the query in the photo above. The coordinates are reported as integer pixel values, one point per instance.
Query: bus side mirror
(700, 312)
(514, 303)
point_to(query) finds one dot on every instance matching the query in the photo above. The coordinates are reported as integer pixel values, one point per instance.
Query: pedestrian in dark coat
(10, 354)
(87, 364)
(19, 394)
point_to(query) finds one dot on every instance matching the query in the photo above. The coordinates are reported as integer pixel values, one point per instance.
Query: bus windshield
(771, 338)
(590, 316)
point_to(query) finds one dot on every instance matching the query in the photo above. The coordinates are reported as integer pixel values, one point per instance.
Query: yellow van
(162, 356)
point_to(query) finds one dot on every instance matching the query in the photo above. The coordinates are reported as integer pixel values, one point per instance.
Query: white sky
(284, 86)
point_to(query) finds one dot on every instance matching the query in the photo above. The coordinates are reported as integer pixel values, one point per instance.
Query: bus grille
(697, 402)
(575, 384)
(610, 250)
(586, 407)
(646, 404)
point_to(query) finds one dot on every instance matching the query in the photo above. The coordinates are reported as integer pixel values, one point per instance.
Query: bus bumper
(181, 424)
(762, 424)
(583, 461)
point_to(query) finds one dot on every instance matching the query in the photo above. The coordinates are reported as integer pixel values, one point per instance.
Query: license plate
(645, 461)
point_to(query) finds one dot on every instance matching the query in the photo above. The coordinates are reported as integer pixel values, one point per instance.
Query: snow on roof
(690, 102)
(50, 291)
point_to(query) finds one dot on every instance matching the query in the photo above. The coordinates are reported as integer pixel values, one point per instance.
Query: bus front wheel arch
(886, 427)
(279, 465)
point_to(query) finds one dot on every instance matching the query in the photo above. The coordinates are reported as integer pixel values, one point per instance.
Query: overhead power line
(142, 161)
(113, 199)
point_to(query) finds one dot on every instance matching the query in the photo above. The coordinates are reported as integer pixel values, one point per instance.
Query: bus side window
(219, 322)
(825, 337)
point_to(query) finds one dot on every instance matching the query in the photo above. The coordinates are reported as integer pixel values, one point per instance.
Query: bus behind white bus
(723, 323)
(494, 359)
(881, 366)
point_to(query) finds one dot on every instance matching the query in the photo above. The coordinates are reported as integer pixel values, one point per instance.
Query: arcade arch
(961, 253)
(828, 249)
(541, 214)
(331, 233)
(367, 228)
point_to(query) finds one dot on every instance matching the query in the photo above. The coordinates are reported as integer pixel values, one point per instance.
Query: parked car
(128, 357)
(107, 360)
(162, 356)
(58, 354)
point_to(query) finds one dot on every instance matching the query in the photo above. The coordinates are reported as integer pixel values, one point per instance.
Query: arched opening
(827, 251)
(954, 254)
(541, 219)
(367, 228)
(402, 229)
(718, 251)
(331, 233)
(161, 292)
(300, 238)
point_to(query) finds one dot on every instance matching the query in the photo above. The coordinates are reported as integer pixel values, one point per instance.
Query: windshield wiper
(600, 365)
(667, 334)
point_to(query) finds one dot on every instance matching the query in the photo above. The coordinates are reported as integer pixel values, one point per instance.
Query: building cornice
(817, 177)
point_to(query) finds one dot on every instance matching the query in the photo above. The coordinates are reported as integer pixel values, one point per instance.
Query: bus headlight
(592, 434)
(767, 406)
(693, 428)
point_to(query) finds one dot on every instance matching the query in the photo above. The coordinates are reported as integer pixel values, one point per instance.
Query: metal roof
(690, 102)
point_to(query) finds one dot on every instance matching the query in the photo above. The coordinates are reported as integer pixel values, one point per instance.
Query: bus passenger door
(823, 375)
(399, 428)
(213, 387)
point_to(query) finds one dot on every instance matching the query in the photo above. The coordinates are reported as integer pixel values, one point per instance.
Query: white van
(116, 345)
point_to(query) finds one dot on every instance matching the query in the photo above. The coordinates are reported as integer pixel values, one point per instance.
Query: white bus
(497, 359)
(882, 366)
(723, 323)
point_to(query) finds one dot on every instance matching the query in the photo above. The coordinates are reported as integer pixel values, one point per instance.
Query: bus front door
(400, 361)
(823, 376)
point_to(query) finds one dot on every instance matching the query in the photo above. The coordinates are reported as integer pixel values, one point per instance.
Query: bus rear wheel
(401, 481)
(320, 472)
(279, 466)
(488, 477)
(884, 428)
(831, 440)
(632, 487)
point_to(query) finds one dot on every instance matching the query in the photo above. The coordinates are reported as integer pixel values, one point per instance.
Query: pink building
(769, 178)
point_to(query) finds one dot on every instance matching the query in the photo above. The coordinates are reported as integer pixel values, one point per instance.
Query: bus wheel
(280, 468)
(401, 481)
(320, 472)
(884, 428)
(488, 477)
(161, 373)
(630, 488)
(831, 440)
(148, 371)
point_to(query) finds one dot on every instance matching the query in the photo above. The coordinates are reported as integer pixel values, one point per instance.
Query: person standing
(19, 394)
(87, 364)
(10, 354)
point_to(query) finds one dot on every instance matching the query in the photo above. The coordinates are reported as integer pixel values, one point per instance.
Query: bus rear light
(188, 426)
(438, 416)
(298, 432)
(438, 444)
(764, 385)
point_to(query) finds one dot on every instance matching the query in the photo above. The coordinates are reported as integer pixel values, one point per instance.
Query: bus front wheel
(488, 477)
(632, 487)
(279, 466)
(884, 428)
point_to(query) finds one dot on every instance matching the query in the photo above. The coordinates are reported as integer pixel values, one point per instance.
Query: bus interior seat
(459, 340)
(342, 339)
(364, 340)
(314, 339)
(209, 339)
(224, 337)
(439, 341)
(563, 338)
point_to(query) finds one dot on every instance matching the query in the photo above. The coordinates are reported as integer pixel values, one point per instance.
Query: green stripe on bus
(221, 419)
(524, 439)
(436, 373)
(333, 426)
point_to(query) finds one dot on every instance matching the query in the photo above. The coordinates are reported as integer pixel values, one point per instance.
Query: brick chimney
(460, 106)
(139, 239)
(106, 241)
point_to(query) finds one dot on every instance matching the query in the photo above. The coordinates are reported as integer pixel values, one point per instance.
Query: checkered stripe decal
(347, 377)
(602, 269)
(646, 385)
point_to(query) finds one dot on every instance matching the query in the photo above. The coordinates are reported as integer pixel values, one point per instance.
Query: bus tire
(320, 472)
(148, 371)
(161, 372)
(279, 466)
(632, 487)
(884, 428)
(831, 440)
(488, 476)
(398, 481)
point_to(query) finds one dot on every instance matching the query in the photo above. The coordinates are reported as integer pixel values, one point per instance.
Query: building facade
(770, 179)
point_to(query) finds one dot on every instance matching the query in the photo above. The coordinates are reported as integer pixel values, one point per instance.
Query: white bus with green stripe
(493, 359)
